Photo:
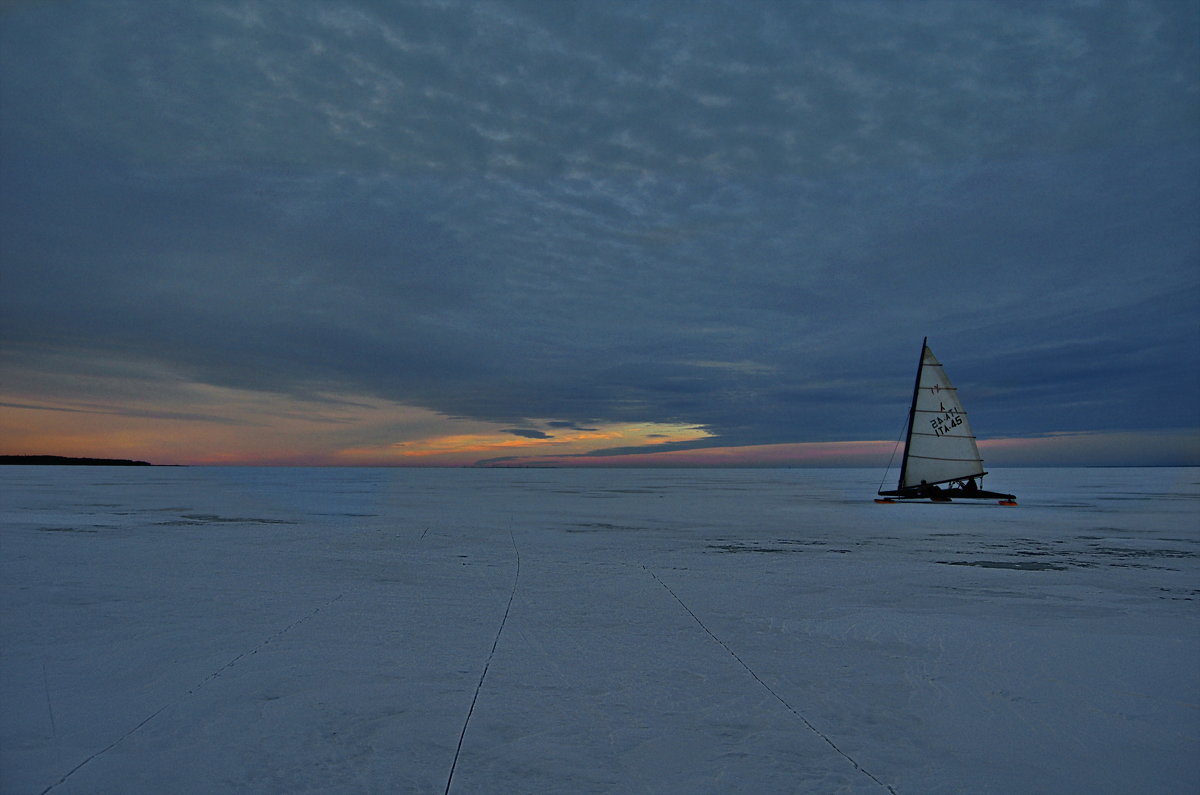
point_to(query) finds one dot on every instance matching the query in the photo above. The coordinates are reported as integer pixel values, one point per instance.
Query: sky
(636, 232)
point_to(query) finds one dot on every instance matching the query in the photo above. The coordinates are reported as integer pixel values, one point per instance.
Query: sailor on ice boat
(941, 460)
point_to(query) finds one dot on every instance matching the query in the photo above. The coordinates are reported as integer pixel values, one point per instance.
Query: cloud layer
(736, 216)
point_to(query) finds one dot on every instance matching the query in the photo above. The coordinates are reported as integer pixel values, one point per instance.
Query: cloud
(528, 433)
(573, 216)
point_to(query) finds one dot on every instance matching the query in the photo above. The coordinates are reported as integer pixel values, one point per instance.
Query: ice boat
(941, 460)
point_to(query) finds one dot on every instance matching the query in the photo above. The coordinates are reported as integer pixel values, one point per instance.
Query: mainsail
(939, 448)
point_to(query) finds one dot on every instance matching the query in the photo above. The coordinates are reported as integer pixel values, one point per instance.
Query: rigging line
(487, 663)
(893, 458)
(768, 688)
(190, 691)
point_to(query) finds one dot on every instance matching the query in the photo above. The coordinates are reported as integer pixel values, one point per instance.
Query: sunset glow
(509, 448)
(212, 425)
(203, 424)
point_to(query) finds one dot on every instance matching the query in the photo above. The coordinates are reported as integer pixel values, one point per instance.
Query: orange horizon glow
(1057, 450)
(207, 425)
(221, 426)
(468, 449)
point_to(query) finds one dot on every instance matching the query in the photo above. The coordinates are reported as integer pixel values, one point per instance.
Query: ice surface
(309, 630)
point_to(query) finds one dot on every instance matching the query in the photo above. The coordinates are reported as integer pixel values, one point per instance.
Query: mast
(912, 414)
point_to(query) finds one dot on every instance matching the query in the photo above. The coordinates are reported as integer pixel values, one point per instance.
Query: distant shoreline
(42, 460)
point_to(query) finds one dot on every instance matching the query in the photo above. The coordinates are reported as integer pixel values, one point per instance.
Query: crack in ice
(462, 735)
(768, 688)
(190, 691)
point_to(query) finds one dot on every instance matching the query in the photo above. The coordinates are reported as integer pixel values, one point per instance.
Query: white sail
(940, 446)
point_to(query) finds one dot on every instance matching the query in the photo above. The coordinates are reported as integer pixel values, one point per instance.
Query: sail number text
(942, 424)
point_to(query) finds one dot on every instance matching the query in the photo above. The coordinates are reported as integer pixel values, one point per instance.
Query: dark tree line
(64, 460)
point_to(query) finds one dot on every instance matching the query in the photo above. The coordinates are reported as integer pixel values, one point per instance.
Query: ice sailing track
(488, 662)
(191, 691)
(767, 687)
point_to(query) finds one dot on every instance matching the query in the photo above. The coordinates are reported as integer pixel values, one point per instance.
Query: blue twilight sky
(381, 227)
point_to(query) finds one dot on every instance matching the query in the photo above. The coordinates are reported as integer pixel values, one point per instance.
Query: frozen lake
(647, 631)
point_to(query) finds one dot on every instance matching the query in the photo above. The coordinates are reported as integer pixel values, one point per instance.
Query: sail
(940, 446)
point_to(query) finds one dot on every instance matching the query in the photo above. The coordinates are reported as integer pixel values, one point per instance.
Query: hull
(945, 495)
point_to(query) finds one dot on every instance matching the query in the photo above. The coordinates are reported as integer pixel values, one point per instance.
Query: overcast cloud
(546, 214)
